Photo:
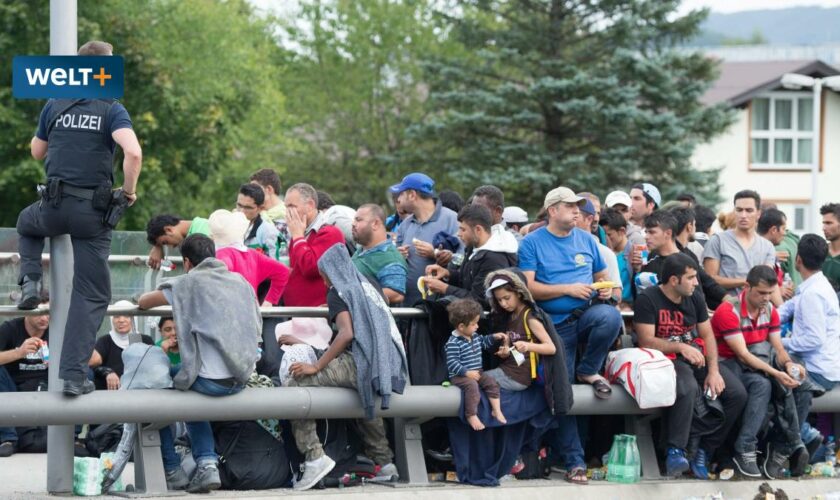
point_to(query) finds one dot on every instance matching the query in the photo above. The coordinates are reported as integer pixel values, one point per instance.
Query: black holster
(116, 209)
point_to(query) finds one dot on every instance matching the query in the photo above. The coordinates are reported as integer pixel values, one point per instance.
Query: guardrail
(137, 260)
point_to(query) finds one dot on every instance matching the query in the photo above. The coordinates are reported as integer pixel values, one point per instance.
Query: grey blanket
(221, 308)
(377, 348)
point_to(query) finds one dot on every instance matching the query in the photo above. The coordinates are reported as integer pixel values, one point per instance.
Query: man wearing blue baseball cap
(416, 195)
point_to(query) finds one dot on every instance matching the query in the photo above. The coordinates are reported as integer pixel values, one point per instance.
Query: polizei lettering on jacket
(83, 122)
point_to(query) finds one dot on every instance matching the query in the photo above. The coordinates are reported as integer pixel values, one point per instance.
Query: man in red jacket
(310, 238)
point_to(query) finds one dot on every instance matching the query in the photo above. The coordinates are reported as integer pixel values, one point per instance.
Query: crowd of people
(747, 311)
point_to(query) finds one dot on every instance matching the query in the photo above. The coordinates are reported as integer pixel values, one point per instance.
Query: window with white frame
(782, 131)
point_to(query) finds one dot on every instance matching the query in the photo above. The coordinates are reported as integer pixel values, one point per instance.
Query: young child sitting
(463, 360)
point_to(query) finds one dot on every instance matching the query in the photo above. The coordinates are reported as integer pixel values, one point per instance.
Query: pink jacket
(256, 268)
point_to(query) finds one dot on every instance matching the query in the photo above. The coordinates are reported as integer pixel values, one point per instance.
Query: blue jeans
(598, 328)
(759, 391)
(803, 403)
(7, 385)
(201, 435)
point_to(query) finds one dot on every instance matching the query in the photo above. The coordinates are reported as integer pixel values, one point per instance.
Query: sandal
(577, 475)
(602, 388)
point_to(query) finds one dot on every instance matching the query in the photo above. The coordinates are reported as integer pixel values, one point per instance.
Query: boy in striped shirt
(463, 360)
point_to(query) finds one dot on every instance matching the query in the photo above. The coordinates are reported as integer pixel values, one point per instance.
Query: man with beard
(377, 258)
(831, 228)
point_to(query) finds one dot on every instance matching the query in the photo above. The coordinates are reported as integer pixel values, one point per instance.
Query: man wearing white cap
(514, 218)
(621, 202)
(561, 263)
(644, 199)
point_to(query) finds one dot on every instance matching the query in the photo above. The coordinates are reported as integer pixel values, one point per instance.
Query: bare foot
(475, 423)
(497, 414)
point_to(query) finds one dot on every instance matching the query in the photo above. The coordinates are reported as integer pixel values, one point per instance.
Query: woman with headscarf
(107, 362)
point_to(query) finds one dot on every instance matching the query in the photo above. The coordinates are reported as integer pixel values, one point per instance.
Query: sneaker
(387, 474)
(698, 464)
(747, 464)
(313, 472)
(799, 460)
(675, 462)
(205, 478)
(7, 448)
(774, 463)
(518, 466)
(177, 479)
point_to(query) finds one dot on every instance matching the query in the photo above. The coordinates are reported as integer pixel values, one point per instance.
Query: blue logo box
(67, 77)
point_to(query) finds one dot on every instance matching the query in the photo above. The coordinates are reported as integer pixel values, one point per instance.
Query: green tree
(354, 85)
(591, 95)
(202, 87)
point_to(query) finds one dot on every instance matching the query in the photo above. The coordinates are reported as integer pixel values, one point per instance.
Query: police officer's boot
(30, 294)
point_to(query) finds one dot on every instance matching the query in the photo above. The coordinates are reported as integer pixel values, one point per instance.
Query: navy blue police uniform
(79, 165)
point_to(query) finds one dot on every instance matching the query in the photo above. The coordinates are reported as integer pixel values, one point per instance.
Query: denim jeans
(759, 390)
(598, 328)
(7, 385)
(803, 402)
(201, 435)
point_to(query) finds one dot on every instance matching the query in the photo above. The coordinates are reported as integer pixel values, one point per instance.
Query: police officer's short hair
(197, 248)
(267, 177)
(157, 226)
(254, 192)
(96, 48)
(306, 191)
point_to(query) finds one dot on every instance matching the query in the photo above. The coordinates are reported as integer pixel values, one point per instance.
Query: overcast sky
(738, 5)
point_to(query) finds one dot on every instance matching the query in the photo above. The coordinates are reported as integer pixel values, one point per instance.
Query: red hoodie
(306, 288)
(256, 268)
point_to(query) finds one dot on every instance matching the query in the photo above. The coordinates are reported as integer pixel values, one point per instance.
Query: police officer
(77, 138)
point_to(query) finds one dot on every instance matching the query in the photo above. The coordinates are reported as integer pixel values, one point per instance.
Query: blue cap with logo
(588, 207)
(421, 183)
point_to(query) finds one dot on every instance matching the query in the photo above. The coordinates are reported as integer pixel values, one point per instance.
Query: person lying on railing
(107, 362)
(219, 327)
(170, 230)
(366, 354)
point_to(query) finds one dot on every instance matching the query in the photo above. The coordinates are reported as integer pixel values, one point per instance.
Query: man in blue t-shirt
(561, 264)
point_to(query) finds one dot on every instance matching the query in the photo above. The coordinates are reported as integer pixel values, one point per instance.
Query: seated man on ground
(491, 251)
(366, 354)
(378, 258)
(672, 317)
(23, 366)
(226, 231)
(170, 230)
(815, 336)
(107, 362)
(219, 328)
(750, 345)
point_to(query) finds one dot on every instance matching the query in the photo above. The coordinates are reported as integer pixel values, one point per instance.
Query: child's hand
(473, 374)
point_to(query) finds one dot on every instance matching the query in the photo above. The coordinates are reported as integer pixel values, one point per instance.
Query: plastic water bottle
(623, 465)
(45, 352)
(167, 265)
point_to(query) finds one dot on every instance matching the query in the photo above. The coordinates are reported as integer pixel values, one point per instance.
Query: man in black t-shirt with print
(672, 318)
(22, 366)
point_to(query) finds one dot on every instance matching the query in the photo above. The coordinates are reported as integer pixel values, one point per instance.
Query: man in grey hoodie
(219, 327)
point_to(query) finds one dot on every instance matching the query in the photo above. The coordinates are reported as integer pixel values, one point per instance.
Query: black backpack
(249, 457)
(103, 438)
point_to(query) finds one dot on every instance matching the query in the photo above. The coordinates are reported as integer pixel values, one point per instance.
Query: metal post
(60, 438)
(815, 159)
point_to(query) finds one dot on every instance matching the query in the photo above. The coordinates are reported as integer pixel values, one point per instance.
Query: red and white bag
(646, 374)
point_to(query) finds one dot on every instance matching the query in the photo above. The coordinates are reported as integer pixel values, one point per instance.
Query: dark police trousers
(91, 277)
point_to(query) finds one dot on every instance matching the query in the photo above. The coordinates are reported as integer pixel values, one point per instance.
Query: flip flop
(602, 388)
(577, 475)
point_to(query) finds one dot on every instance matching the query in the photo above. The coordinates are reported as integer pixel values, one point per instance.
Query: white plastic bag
(646, 374)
